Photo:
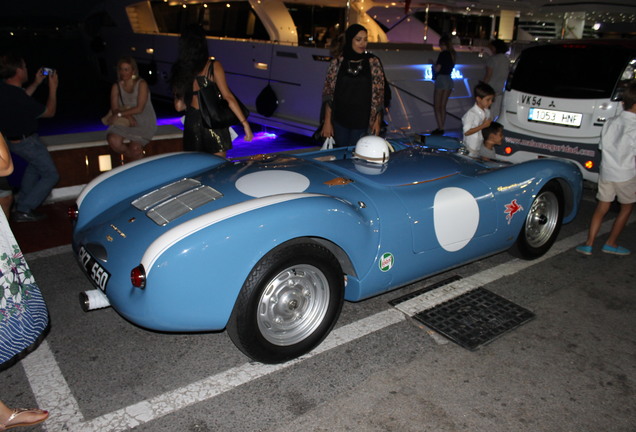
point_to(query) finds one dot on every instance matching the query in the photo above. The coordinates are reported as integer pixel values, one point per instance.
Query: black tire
(542, 224)
(288, 304)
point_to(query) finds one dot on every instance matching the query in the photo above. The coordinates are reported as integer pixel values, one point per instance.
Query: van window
(576, 71)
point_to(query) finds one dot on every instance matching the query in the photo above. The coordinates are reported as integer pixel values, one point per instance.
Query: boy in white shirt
(617, 177)
(477, 118)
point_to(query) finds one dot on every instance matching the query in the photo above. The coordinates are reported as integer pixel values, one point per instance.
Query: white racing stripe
(52, 392)
(186, 229)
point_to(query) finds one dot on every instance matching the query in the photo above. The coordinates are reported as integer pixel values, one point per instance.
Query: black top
(352, 95)
(445, 59)
(19, 112)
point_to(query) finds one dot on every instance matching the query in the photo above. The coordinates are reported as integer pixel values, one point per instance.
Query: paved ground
(572, 368)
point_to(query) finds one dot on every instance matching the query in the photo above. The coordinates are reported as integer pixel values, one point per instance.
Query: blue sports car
(270, 247)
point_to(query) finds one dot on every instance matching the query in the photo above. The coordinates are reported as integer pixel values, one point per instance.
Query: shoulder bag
(215, 111)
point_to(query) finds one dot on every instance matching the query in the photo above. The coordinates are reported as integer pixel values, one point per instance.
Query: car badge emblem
(118, 231)
(132, 219)
(386, 261)
(512, 209)
(109, 238)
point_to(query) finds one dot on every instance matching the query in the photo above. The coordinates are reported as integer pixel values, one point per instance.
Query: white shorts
(624, 191)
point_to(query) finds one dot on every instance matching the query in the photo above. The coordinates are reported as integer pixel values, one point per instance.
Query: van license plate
(560, 118)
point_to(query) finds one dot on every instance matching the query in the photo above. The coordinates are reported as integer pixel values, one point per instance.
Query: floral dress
(23, 313)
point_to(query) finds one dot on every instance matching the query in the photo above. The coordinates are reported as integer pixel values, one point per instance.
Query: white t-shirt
(500, 65)
(473, 118)
(618, 145)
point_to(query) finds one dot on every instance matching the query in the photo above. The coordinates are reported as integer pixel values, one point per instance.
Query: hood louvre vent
(153, 198)
(176, 199)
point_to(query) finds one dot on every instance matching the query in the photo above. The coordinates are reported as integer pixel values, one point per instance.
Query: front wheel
(542, 224)
(288, 304)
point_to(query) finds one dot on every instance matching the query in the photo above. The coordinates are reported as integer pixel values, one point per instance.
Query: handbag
(119, 121)
(215, 111)
(328, 144)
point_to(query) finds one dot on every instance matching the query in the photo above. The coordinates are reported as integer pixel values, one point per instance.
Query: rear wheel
(542, 224)
(288, 304)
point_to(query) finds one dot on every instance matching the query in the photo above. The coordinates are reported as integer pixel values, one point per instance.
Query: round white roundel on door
(456, 217)
(273, 182)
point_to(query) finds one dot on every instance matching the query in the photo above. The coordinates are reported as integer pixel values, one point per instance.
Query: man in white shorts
(617, 177)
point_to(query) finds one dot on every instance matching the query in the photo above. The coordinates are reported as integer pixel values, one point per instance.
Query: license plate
(560, 118)
(96, 273)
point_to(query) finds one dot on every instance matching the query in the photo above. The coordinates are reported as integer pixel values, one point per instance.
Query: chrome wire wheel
(543, 219)
(293, 305)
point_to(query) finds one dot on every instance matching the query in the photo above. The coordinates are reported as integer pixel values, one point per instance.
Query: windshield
(576, 71)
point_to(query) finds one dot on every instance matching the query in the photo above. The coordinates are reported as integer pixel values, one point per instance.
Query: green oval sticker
(386, 261)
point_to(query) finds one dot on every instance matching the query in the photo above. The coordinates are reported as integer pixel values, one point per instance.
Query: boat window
(317, 25)
(570, 71)
(468, 28)
(234, 19)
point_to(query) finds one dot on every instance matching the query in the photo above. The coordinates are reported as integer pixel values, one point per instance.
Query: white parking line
(52, 392)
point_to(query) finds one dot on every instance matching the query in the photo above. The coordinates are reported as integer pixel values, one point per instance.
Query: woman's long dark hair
(193, 55)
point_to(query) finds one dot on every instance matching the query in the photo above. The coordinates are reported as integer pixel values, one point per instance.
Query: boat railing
(403, 91)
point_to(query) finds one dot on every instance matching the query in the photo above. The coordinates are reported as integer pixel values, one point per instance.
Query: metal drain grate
(474, 318)
(414, 294)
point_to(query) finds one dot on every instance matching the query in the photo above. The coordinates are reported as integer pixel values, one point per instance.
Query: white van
(558, 97)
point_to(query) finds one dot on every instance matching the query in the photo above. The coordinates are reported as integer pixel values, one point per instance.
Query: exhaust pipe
(93, 299)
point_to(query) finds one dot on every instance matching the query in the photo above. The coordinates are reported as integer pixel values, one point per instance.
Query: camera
(47, 71)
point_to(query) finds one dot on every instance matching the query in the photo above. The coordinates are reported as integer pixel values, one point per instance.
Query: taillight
(72, 213)
(628, 75)
(508, 150)
(138, 277)
(589, 164)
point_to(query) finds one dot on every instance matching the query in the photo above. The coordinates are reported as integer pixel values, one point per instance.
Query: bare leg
(134, 151)
(437, 103)
(443, 103)
(619, 224)
(597, 219)
(116, 142)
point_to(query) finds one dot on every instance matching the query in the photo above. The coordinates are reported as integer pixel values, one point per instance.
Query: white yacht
(286, 44)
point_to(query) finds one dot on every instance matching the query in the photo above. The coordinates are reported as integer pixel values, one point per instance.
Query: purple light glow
(178, 122)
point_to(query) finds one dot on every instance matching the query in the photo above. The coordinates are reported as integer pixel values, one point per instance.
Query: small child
(617, 177)
(477, 118)
(493, 135)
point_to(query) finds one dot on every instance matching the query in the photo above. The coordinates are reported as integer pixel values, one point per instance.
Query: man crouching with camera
(19, 114)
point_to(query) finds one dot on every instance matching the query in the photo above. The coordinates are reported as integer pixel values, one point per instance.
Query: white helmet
(372, 149)
(367, 168)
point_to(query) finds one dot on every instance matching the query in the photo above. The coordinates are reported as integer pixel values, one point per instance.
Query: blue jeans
(346, 137)
(40, 174)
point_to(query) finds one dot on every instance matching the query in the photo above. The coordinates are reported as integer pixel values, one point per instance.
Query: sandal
(17, 412)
